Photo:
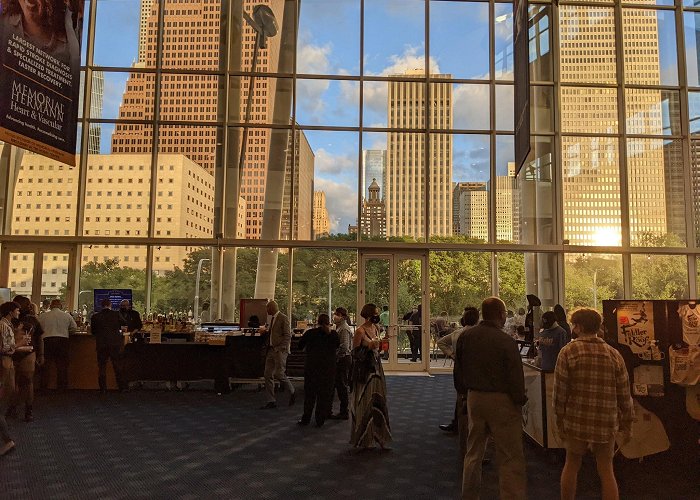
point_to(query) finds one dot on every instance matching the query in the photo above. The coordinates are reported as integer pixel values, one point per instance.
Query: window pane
(694, 112)
(266, 105)
(321, 276)
(504, 107)
(695, 185)
(649, 41)
(589, 110)
(273, 282)
(195, 98)
(192, 37)
(691, 21)
(471, 172)
(592, 278)
(656, 192)
(446, 272)
(126, 96)
(471, 106)
(591, 191)
(328, 102)
(130, 25)
(537, 199)
(587, 37)
(507, 194)
(652, 112)
(511, 279)
(395, 37)
(540, 40)
(503, 34)
(542, 109)
(454, 25)
(329, 37)
(660, 277)
(112, 266)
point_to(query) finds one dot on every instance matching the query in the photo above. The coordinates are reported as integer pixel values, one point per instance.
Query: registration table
(229, 357)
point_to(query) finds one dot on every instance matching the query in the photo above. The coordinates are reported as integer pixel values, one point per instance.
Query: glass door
(395, 284)
(40, 274)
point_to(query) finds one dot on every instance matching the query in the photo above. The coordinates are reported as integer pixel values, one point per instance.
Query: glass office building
(209, 129)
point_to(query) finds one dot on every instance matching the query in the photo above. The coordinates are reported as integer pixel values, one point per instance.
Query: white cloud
(410, 60)
(470, 106)
(328, 163)
(310, 99)
(313, 59)
(341, 202)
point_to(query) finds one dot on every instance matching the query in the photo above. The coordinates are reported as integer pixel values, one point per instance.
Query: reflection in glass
(592, 278)
(262, 106)
(504, 107)
(540, 50)
(542, 277)
(537, 196)
(589, 110)
(135, 100)
(454, 25)
(328, 102)
(691, 20)
(541, 109)
(21, 273)
(176, 103)
(591, 191)
(649, 43)
(503, 33)
(587, 38)
(694, 112)
(652, 112)
(695, 186)
(329, 37)
(471, 172)
(182, 21)
(656, 192)
(660, 277)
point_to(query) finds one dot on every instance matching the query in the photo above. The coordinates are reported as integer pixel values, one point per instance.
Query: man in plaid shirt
(592, 403)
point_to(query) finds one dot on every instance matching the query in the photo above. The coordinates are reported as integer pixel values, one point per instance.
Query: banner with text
(40, 75)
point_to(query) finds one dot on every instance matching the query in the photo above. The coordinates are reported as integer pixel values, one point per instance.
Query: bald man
(277, 342)
(489, 370)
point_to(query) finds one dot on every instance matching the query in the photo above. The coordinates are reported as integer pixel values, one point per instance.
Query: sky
(329, 43)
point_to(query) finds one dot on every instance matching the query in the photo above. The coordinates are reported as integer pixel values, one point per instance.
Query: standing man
(384, 317)
(58, 326)
(131, 318)
(343, 361)
(488, 368)
(278, 341)
(106, 326)
(592, 403)
(415, 337)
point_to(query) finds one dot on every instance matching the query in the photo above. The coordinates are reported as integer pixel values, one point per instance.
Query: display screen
(115, 296)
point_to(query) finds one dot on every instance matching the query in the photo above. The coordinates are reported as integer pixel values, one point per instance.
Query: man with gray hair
(489, 370)
(277, 345)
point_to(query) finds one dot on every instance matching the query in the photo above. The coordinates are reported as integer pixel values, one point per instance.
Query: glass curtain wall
(375, 124)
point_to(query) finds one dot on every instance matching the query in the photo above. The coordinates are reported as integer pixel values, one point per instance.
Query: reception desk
(241, 357)
(539, 421)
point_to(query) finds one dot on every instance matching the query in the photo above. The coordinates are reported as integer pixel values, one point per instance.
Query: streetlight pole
(196, 290)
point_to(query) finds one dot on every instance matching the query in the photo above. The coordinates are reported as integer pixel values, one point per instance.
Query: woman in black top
(320, 344)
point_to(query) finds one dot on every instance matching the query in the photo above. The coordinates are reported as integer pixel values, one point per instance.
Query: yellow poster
(635, 325)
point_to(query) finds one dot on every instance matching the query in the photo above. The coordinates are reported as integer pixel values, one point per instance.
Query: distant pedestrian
(343, 360)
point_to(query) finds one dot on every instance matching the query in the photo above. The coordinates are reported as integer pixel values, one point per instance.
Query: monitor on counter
(220, 327)
(115, 296)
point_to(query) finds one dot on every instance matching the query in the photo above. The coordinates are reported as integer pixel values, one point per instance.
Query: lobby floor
(195, 444)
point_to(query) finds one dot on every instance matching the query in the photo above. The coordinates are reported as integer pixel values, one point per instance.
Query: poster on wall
(40, 75)
(635, 325)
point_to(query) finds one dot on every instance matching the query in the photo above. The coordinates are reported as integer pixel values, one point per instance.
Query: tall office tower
(373, 215)
(458, 223)
(321, 220)
(507, 207)
(474, 210)
(674, 182)
(146, 8)
(405, 192)
(116, 204)
(591, 170)
(695, 185)
(374, 167)
(194, 98)
(97, 92)
(298, 191)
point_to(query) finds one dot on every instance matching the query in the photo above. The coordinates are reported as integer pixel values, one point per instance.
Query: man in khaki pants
(488, 368)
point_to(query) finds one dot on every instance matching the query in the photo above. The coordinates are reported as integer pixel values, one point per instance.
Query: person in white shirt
(58, 325)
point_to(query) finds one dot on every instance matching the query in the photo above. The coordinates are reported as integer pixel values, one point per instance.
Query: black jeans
(318, 392)
(414, 339)
(342, 379)
(56, 351)
(114, 353)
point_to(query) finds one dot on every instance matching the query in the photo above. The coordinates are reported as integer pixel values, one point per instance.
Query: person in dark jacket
(560, 314)
(106, 326)
(415, 336)
(131, 317)
(321, 344)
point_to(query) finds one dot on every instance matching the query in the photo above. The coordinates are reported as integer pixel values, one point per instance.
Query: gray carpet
(195, 444)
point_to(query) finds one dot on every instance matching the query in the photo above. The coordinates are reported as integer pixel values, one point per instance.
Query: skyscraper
(298, 191)
(405, 193)
(474, 210)
(321, 221)
(97, 92)
(373, 215)
(591, 170)
(194, 98)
